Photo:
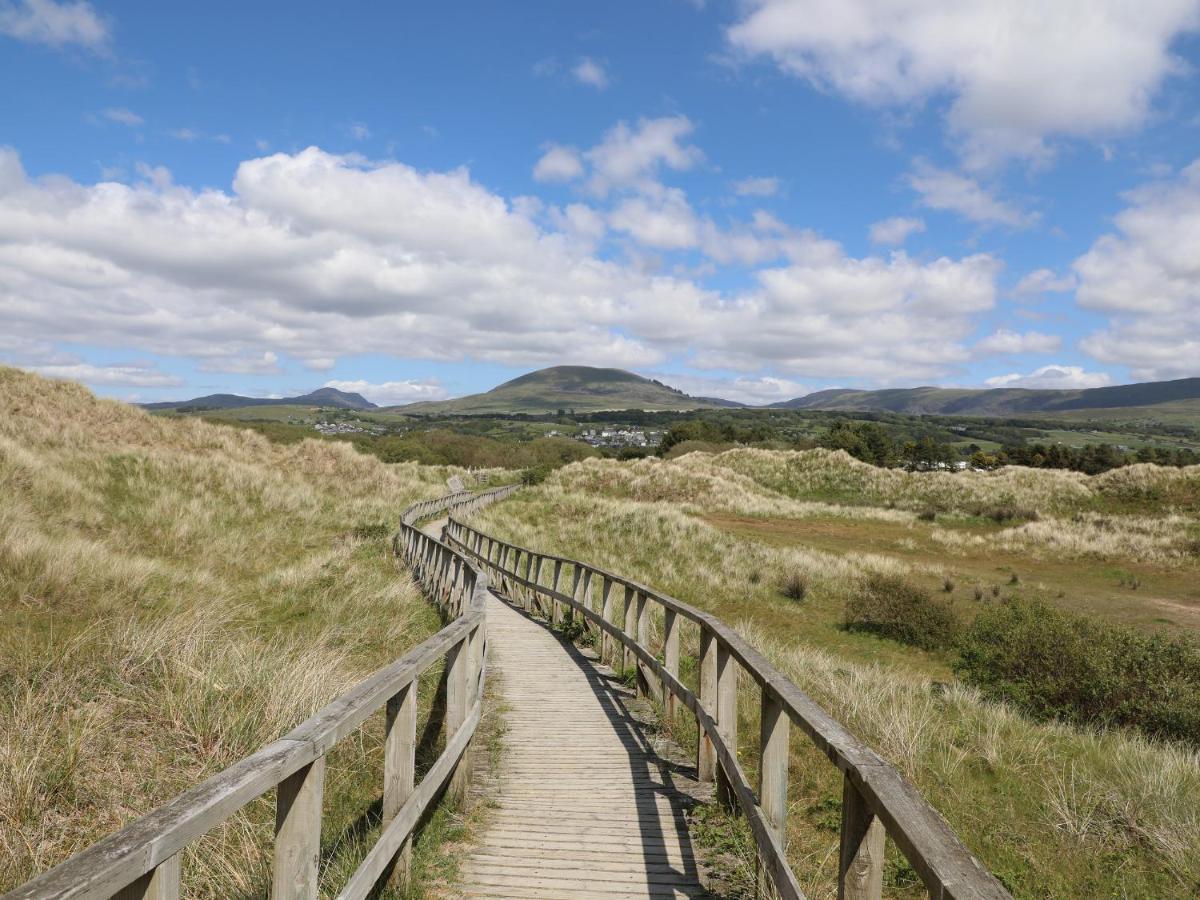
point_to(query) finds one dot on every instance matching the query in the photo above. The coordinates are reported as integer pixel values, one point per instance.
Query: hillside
(579, 388)
(321, 397)
(1004, 401)
(174, 594)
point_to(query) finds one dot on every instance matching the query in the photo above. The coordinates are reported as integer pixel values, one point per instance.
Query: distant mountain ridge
(326, 396)
(997, 401)
(580, 388)
(592, 389)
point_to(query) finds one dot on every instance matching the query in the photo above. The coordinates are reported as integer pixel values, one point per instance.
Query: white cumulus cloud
(110, 376)
(54, 24)
(558, 163)
(319, 256)
(948, 191)
(756, 187)
(896, 230)
(1054, 376)
(588, 71)
(1146, 278)
(1006, 341)
(393, 393)
(1016, 72)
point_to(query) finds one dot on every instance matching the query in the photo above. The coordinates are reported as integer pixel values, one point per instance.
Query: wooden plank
(630, 628)
(298, 833)
(860, 872)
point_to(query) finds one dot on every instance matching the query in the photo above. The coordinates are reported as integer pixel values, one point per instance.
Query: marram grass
(174, 595)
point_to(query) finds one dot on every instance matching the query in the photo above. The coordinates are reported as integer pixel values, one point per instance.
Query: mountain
(581, 388)
(325, 396)
(1000, 401)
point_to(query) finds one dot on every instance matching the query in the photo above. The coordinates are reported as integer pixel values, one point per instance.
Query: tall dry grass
(174, 595)
(1053, 810)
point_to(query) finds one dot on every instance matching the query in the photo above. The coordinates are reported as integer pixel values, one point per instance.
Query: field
(173, 595)
(1054, 810)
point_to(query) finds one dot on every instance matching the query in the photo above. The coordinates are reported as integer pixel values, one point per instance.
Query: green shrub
(1058, 665)
(535, 474)
(890, 606)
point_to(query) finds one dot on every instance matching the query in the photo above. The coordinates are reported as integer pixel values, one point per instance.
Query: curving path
(584, 805)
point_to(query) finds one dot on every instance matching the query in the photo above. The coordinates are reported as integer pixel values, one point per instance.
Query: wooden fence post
(298, 833)
(537, 579)
(727, 719)
(399, 766)
(629, 627)
(671, 659)
(643, 638)
(606, 612)
(706, 757)
(773, 765)
(160, 883)
(555, 613)
(528, 591)
(457, 703)
(860, 873)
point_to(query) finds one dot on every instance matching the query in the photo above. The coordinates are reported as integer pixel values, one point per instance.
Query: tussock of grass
(174, 595)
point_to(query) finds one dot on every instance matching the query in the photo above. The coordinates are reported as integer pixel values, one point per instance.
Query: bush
(535, 474)
(890, 606)
(1059, 665)
(794, 587)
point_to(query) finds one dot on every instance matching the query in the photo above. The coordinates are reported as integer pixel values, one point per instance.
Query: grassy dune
(1055, 811)
(173, 595)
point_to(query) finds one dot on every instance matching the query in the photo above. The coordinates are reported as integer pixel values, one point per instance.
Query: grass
(173, 595)
(1053, 810)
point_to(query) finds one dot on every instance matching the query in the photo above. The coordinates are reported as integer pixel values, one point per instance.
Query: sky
(752, 200)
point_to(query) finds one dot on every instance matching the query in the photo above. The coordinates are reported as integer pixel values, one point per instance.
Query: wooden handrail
(877, 800)
(142, 860)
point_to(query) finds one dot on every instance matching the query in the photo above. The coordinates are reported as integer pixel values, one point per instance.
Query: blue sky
(752, 200)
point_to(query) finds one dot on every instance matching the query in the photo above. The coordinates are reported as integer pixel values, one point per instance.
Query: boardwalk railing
(142, 860)
(877, 802)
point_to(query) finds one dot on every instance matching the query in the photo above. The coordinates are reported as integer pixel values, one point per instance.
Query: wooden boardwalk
(585, 806)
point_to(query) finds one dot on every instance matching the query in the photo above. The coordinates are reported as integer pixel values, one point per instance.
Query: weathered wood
(398, 831)
(860, 872)
(671, 657)
(399, 766)
(555, 606)
(706, 759)
(457, 681)
(606, 612)
(298, 833)
(628, 658)
(161, 883)
(773, 765)
(727, 717)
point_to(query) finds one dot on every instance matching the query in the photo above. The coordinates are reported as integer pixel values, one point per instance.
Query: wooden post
(671, 659)
(706, 757)
(160, 883)
(860, 874)
(555, 610)
(298, 833)
(576, 580)
(585, 597)
(399, 766)
(457, 702)
(727, 719)
(528, 591)
(630, 627)
(606, 611)
(643, 638)
(773, 765)
(537, 579)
